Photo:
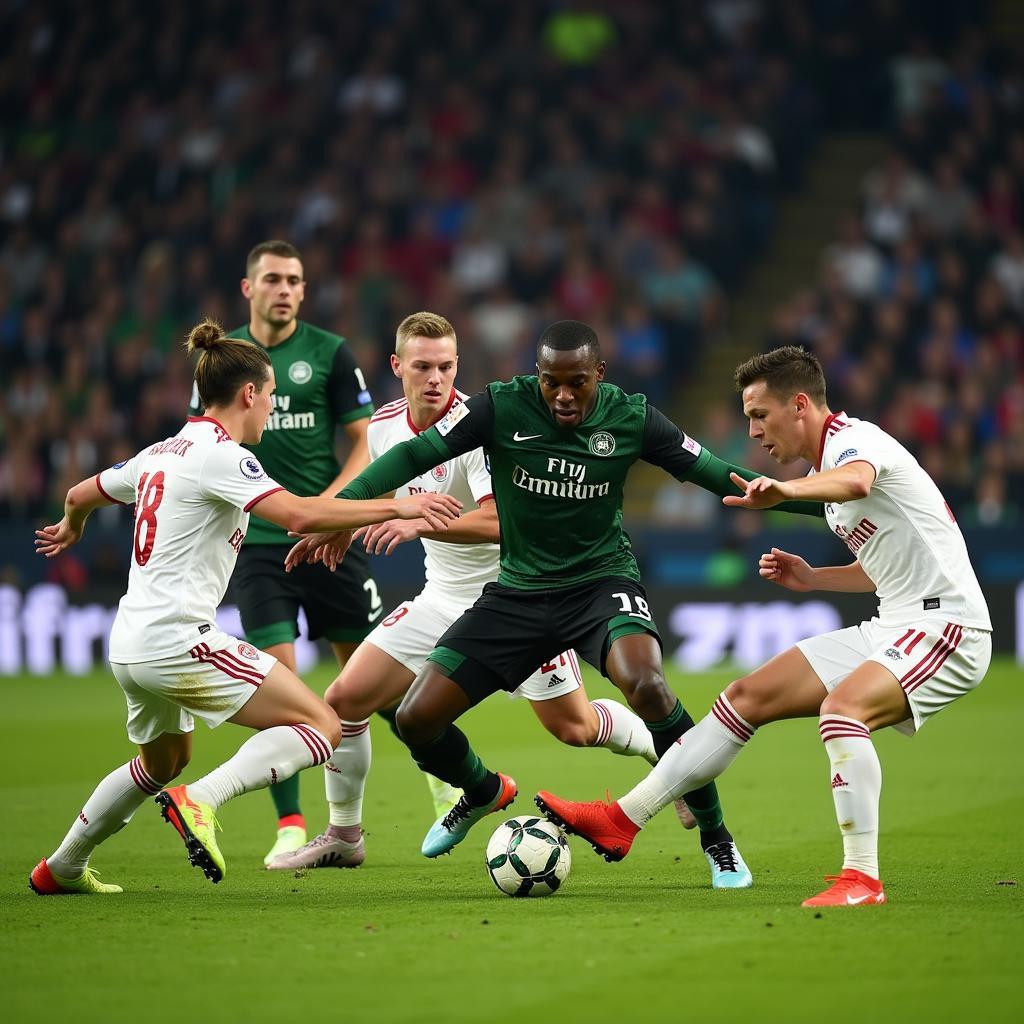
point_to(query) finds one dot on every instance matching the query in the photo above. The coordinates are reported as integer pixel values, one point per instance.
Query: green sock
(705, 807)
(286, 797)
(666, 731)
(449, 757)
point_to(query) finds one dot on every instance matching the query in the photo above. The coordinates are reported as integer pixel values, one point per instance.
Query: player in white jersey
(930, 643)
(459, 563)
(193, 494)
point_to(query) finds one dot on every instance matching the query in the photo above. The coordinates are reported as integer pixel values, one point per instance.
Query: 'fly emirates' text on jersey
(192, 495)
(558, 490)
(459, 569)
(903, 533)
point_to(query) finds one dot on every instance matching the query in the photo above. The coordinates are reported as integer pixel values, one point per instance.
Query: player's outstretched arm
(477, 527)
(793, 573)
(722, 478)
(844, 483)
(81, 500)
(315, 515)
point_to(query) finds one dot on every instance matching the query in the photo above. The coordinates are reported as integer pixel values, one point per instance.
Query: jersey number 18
(151, 493)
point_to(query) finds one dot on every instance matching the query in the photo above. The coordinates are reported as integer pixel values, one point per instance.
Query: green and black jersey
(558, 490)
(319, 386)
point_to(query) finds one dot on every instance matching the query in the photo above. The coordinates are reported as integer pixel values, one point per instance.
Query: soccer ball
(528, 857)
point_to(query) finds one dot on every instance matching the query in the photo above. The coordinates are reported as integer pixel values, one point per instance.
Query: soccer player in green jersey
(560, 445)
(319, 387)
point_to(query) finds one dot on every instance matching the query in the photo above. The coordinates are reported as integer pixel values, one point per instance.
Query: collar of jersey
(416, 430)
(832, 416)
(208, 419)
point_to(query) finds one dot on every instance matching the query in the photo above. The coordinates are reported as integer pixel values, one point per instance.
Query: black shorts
(507, 633)
(342, 606)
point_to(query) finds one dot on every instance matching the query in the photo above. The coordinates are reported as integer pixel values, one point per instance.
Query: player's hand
(789, 571)
(328, 548)
(761, 492)
(52, 540)
(436, 509)
(383, 538)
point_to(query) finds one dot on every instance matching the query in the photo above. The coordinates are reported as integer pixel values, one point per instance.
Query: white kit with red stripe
(192, 493)
(452, 569)
(903, 533)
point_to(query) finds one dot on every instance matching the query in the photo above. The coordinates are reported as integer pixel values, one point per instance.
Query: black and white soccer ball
(528, 857)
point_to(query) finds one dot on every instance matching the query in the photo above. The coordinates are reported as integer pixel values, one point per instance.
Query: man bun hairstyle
(787, 371)
(272, 247)
(422, 325)
(224, 364)
(568, 336)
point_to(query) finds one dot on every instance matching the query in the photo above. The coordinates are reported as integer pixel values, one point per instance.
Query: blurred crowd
(918, 316)
(505, 165)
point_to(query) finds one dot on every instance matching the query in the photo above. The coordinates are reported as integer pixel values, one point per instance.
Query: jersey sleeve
(235, 475)
(668, 447)
(347, 393)
(478, 474)
(118, 483)
(466, 426)
(859, 442)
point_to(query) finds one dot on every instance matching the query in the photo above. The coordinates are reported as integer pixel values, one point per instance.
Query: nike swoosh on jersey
(526, 437)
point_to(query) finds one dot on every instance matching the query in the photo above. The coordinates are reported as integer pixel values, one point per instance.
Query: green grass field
(406, 939)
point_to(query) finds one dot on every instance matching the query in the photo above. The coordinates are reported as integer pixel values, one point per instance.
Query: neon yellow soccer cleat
(289, 839)
(43, 882)
(196, 824)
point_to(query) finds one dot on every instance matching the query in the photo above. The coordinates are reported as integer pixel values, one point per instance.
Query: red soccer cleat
(852, 888)
(602, 824)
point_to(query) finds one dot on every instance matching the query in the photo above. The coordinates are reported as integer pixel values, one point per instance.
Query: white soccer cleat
(322, 851)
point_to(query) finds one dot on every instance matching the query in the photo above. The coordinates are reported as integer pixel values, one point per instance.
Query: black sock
(449, 757)
(669, 729)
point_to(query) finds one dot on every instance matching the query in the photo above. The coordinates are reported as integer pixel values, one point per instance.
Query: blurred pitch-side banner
(44, 630)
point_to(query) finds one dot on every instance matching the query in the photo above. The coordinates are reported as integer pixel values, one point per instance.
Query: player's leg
(371, 678)
(297, 730)
(163, 733)
(785, 687)
(560, 702)
(426, 720)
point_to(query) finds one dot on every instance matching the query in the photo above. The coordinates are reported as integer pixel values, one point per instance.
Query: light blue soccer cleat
(728, 871)
(450, 829)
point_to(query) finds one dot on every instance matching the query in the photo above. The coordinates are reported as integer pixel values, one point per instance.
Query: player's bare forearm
(80, 501)
(844, 483)
(477, 527)
(326, 515)
(846, 579)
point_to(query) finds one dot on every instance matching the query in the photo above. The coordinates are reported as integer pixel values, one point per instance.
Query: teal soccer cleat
(728, 871)
(450, 829)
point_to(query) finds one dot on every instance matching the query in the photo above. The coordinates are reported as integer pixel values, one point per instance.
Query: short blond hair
(422, 325)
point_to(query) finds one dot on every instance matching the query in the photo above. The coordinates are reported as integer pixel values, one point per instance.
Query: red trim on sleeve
(99, 487)
(484, 497)
(260, 497)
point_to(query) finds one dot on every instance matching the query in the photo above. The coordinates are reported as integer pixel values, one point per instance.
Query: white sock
(108, 810)
(268, 757)
(856, 777)
(345, 774)
(697, 757)
(622, 731)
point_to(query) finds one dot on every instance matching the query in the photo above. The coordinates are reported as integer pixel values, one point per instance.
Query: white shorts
(934, 661)
(412, 630)
(211, 681)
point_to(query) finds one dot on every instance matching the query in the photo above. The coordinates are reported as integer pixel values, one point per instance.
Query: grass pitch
(406, 939)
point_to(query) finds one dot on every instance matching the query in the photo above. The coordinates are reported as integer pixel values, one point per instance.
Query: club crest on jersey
(453, 416)
(248, 651)
(300, 372)
(846, 455)
(251, 469)
(440, 472)
(601, 443)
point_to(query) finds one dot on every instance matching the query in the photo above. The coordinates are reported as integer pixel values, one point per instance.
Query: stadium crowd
(506, 165)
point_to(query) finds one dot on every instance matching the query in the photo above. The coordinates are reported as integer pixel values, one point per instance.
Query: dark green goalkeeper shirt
(558, 490)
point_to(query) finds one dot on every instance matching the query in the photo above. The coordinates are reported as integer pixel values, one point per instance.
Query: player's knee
(410, 724)
(328, 723)
(649, 695)
(742, 696)
(837, 703)
(573, 733)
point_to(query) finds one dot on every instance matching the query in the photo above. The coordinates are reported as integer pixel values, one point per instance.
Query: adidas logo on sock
(838, 781)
